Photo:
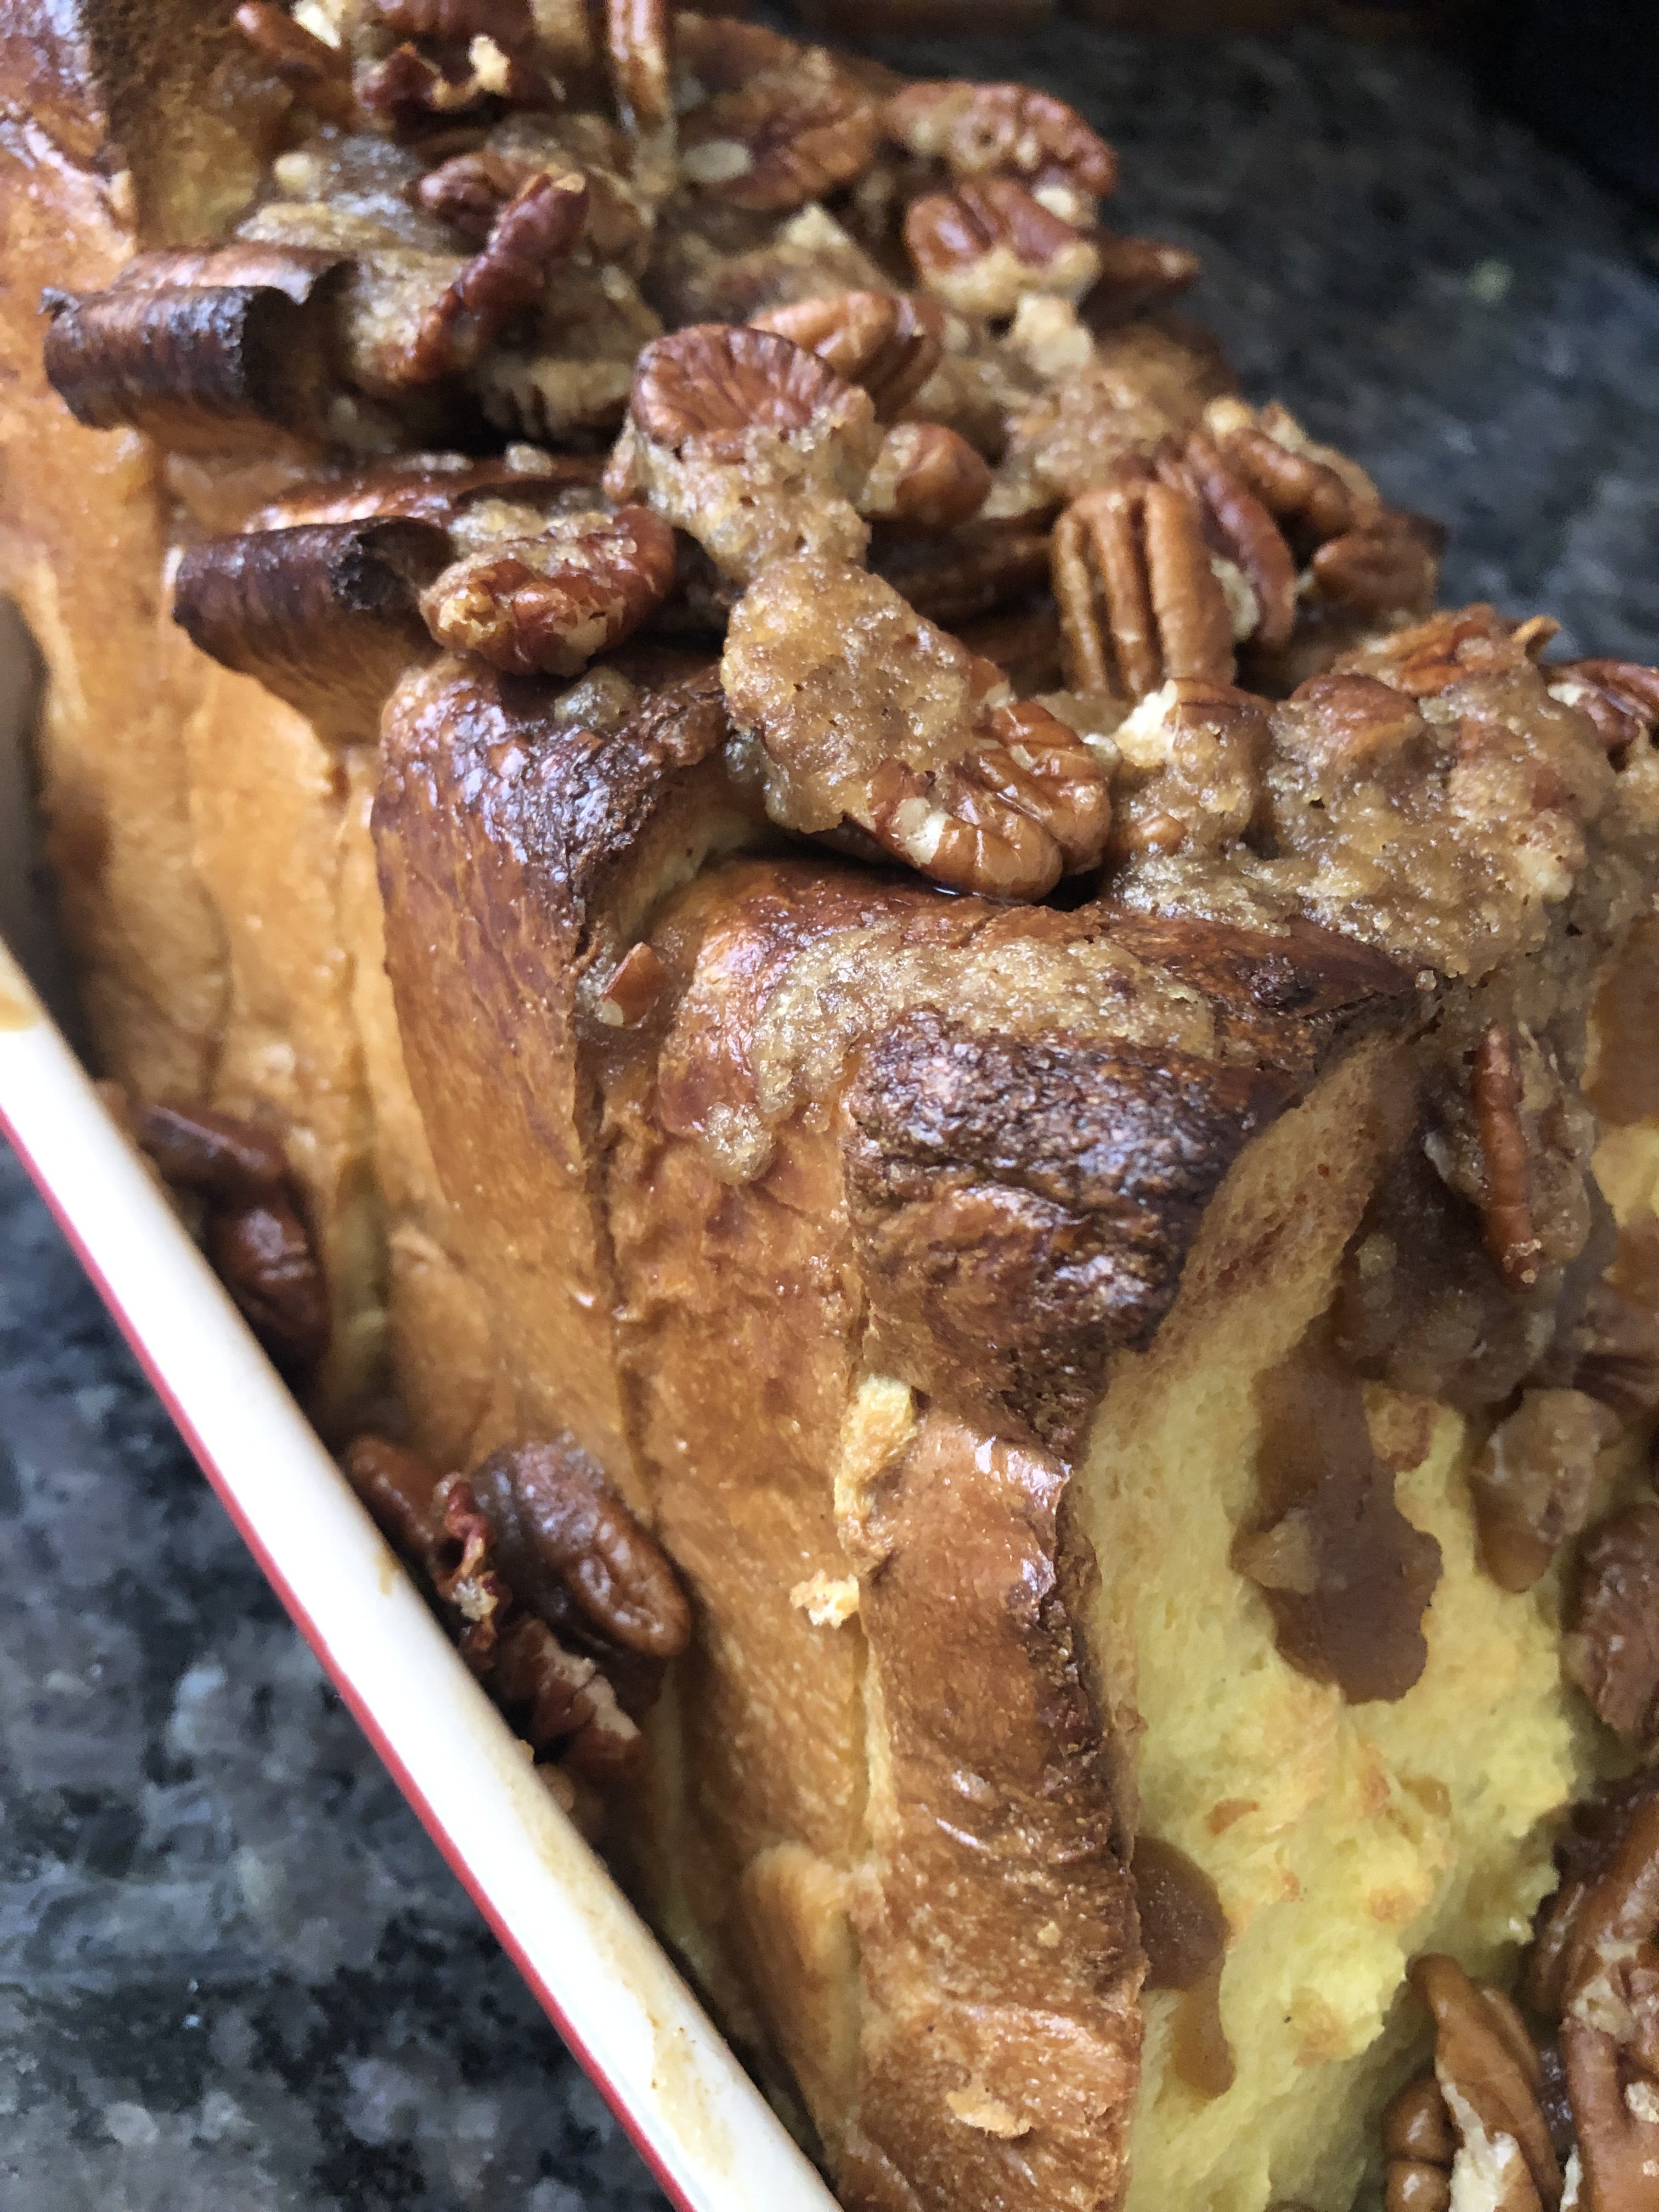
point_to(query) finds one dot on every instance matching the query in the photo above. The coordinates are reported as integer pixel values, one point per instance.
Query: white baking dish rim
(697, 2120)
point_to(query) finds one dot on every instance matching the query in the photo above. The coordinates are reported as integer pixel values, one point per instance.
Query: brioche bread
(1036, 1311)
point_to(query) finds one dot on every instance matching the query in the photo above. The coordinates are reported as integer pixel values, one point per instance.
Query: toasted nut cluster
(749, 443)
(867, 716)
(1481, 2110)
(560, 1603)
(537, 229)
(251, 1228)
(885, 341)
(1612, 1648)
(1365, 558)
(780, 125)
(1594, 1967)
(545, 605)
(1188, 778)
(1006, 129)
(1140, 602)
(983, 247)
(1533, 1481)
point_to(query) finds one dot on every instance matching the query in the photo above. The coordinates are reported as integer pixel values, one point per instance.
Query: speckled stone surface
(234, 1975)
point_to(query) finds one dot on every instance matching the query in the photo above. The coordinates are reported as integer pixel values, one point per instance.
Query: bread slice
(935, 1276)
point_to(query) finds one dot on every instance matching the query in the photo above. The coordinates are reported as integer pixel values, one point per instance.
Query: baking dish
(698, 2122)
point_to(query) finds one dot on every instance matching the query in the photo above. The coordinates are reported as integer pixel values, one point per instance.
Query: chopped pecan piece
(750, 444)
(468, 191)
(1532, 1482)
(409, 89)
(1594, 1966)
(263, 1255)
(1188, 777)
(1506, 1207)
(925, 477)
(318, 74)
(1139, 600)
(983, 245)
(1007, 129)
(1621, 698)
(1389, 566)
(868, 715)
(537, 229)
(546, 605)
(1618, 1338)
(1490, 2077)
(1420, 2144)
(885, 341)
(1611, 1650)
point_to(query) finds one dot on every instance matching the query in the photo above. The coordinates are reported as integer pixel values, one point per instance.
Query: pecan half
(1490, 2076)
(546, 605)
(1007, 129)
(956, 580)
(538, 227)
(867, 715)
(983, 245)
(1532, 1482)
(637, 43)
(1617, 1339)
(1612, 1649)
(251, 1231)
(397, 1487)
(925, 477)
(1305, 484)
(1389, 566)
(885, 341)
(1139, 600)
(1244, 532)
(566, 1540)
(1419, 2143)
(750, 444)
(263, 1255)
(781, 124)
(1134, 274)
(1506, 1206)
(1621, 698)
(317, 73)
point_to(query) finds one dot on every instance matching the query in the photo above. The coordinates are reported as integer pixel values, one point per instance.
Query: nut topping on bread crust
(550, 603)
(868, 714)
(750, 443)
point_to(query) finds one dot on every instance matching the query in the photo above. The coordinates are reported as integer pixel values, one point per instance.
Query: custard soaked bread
(986, 1102)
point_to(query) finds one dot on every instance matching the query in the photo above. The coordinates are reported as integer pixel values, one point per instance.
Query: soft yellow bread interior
(1343, 1840)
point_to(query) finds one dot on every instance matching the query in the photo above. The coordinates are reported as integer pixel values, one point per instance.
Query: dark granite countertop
(234, 1975)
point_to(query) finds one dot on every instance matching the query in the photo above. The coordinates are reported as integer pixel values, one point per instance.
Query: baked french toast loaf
(970, 1110)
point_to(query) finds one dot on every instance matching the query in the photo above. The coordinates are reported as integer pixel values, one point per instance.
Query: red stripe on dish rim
(427, 1816)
